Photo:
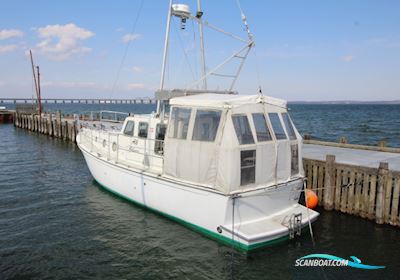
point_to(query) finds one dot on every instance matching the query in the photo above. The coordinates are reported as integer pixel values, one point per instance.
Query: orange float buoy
(311, 199)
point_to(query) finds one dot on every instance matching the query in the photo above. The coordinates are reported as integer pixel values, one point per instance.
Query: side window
(206, 125)
(179, 123)
(159, 141)
(277, 126)
(143, 128)
(262, 130)
(129, 127)
(289, 126)
(242, 129)
(247, 167)
(294, 150)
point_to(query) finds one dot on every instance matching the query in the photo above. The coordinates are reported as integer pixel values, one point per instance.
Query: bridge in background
(79, 101)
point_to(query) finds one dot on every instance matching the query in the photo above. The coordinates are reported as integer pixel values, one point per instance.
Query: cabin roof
(222, 100)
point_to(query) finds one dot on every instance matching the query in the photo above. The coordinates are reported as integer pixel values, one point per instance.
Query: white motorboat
(226, 165)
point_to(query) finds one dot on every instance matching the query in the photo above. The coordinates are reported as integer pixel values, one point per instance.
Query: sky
(305, 50)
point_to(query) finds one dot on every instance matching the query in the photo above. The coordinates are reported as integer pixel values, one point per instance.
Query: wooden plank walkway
(359, 157)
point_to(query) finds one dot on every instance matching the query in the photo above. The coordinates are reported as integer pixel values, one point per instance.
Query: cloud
(60, 42)
(137, 69)
(10, 33)
(135, 86)
(130, 37)
(347, 58)
(7, 48)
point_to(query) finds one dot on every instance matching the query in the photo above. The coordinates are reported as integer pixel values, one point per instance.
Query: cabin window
(294, 150)
(206, 125)
(179, 123)
(247, 167)
(262, 130)
(159, 140)
(277, 126)
(242, 129)
(289, 126)
(129, 127)
(143, 128)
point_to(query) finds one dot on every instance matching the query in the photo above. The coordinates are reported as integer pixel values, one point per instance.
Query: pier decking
(353, 179)
(352, 156)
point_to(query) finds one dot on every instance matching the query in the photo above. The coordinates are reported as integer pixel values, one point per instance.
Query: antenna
(182, 11)
(199, 14)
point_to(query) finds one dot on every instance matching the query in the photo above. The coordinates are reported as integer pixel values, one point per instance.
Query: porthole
(104, 143)
(114, 147)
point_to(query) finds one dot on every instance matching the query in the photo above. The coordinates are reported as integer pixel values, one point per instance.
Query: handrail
(115, 116)
(89, 137)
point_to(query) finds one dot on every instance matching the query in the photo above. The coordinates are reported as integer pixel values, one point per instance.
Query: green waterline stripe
(225, 240)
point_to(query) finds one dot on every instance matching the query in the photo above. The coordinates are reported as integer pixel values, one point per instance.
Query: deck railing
(108, 144)
(109, 116)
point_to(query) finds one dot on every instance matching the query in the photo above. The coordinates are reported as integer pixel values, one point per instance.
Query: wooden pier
(359, 180)
(51, 125)
(354, 179)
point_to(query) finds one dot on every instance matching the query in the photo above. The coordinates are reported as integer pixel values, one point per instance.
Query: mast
(39, 91)
(165, 56)
(36, 80)
(199, 14)
(182, 11)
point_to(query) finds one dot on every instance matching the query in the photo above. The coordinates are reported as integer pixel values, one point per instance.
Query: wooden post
(371, 198)
(59, 135)
(320, 184)
(338, 188)
(388, 196)
(395, 203)
(382, 144)
(65, 133)
(350, 194)
(329, 186)
(73, 134)
(383, 172)
(50, 124)
(364, 196)
(345, 191)
(358, 198)
(45, 126)
(343, 140)
(35, 123)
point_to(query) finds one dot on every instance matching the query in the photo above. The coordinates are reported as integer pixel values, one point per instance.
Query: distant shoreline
(394, 102)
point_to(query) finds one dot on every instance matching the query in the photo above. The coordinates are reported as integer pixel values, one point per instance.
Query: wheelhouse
(231, 143)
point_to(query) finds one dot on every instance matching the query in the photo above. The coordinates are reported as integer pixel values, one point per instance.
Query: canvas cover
(217, 164)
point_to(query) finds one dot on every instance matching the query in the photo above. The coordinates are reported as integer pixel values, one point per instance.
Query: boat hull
(257, 218)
